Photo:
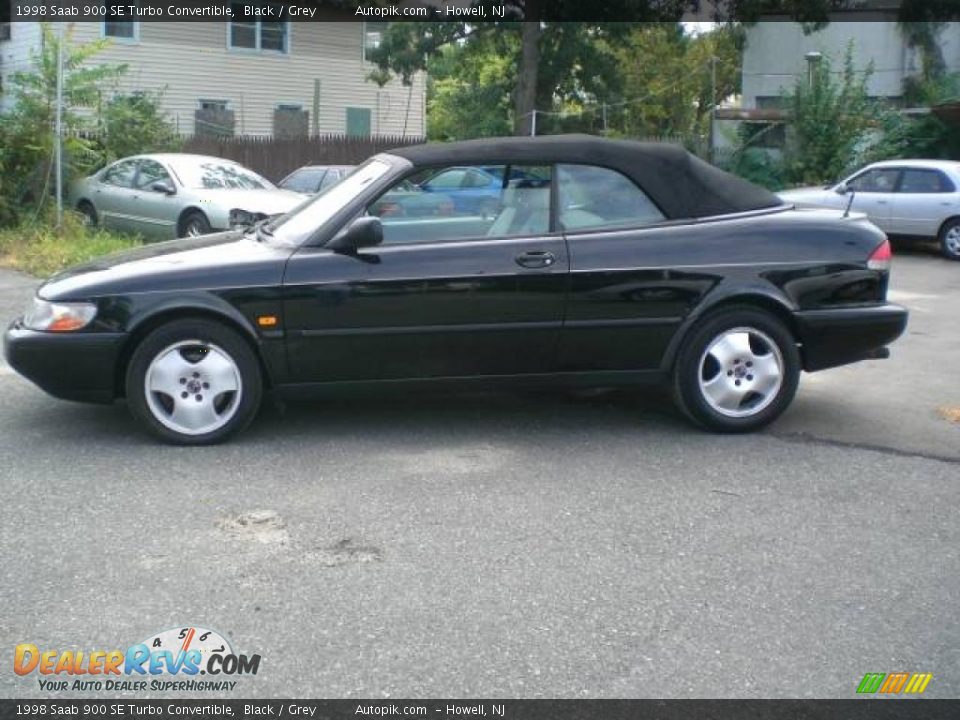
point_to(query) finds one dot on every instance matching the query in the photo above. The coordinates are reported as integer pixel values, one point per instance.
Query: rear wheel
(737, 370)
(194, 382)
(89, 213)
(194, 224)
(950, 239)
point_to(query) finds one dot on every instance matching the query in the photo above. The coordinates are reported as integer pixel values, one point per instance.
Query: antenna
(846, 213)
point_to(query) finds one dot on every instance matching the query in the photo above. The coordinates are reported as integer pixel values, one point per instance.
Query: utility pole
(713, 106)
(58, 140)
(533, 123)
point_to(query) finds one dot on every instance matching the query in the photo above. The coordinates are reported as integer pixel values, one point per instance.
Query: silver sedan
(909, 198)
(175, 195)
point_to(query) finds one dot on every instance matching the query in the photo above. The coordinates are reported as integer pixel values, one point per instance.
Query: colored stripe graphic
(918, 683)
(871, 682)
(894, 682)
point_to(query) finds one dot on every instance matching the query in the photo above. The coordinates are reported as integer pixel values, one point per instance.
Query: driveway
(510, 546)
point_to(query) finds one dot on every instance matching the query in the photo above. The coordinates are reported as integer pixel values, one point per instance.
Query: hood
(223, 259)
(268, 202)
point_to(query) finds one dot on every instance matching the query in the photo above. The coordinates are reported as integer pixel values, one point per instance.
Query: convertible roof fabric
(682, 185)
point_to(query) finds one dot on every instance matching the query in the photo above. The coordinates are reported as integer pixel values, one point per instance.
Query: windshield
(215, 174)
(307, 217)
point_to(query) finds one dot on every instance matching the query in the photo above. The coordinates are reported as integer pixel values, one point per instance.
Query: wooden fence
(274, 158)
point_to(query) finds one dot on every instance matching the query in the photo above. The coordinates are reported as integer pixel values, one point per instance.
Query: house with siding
(778, 53)
(246, 77)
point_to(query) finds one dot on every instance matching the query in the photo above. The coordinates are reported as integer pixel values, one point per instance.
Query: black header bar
(864, 709)
(475, 11)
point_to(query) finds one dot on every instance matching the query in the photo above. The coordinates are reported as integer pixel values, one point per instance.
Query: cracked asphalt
(494, 545)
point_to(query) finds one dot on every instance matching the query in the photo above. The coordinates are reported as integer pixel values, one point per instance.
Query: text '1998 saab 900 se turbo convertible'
(605, 263)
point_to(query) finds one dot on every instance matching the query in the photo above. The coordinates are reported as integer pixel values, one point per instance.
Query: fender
(197, 300)
(763, 295)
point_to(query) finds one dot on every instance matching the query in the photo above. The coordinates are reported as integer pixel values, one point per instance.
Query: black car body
(621, 262)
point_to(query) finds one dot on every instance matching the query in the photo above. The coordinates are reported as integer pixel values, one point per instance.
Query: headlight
(58, 317)
(242, 218)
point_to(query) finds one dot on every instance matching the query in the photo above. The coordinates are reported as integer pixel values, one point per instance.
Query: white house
(247, 77)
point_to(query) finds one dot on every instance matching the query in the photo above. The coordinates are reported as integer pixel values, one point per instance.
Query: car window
(876, 180)
(150, 172)
(521, 208)
(447, 180)
(476, 179)
(219, 174)
(332, 178)
(304, 181)
(595, 197)
(120, 174)
(924, 181)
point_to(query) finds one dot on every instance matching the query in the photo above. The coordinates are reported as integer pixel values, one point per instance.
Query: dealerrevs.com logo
(170, 660)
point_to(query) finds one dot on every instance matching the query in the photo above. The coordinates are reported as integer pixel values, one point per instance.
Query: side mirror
(841, 189)
(363, 232)
(163, 186)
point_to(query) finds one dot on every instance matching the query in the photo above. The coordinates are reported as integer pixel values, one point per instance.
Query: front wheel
(194, 382)
(950, 239)
(195, 224)
(737, 370)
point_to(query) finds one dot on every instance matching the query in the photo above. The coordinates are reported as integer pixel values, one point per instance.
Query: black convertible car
(605, 262)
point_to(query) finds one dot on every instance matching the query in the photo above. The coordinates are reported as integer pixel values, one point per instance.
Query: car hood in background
(268, 202)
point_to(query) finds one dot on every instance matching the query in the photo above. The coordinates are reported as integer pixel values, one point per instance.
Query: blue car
(476, 190)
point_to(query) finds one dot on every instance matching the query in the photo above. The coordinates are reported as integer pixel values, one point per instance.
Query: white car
(169, 195)
(909, 198)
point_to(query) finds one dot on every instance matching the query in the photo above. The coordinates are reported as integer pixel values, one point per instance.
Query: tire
(950, 239)
(195, 223)
(716, 380)
(194, 382)
(89, 213)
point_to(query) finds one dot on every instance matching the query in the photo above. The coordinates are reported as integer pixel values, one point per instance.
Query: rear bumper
(79, 366)
(839, 336)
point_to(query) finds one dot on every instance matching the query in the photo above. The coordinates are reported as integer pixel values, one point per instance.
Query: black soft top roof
(682, 185)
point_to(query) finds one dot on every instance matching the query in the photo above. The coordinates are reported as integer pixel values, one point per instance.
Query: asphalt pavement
(495, 545)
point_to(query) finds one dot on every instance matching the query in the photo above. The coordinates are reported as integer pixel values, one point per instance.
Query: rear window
(592, 197)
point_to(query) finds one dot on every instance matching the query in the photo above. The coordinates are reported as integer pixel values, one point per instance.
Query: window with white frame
(373, 33)
(248, 33)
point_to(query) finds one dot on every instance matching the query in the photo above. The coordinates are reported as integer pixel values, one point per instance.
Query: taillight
(880, 258)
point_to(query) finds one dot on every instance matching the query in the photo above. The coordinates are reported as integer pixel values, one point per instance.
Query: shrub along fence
(274, 158)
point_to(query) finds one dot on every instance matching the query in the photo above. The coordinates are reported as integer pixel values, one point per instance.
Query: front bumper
(72, 366)
(839, 336)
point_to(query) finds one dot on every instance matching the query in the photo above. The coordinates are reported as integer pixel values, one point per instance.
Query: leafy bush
(36, 247)
(136, 124)
(827, 119)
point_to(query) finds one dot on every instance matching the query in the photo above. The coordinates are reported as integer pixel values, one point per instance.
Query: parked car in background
(918, 199)
(408, 199)
(693, 278)
(312, 179)
(472, 189)
(173, 195)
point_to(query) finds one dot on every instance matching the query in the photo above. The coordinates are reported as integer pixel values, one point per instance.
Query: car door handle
(536, 259)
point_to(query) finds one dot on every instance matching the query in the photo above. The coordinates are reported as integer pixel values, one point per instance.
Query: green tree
(28, 149)
(133, 124)
(827, 119)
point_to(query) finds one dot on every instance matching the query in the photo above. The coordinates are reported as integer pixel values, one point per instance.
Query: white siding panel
(15, 54)
(190, 61)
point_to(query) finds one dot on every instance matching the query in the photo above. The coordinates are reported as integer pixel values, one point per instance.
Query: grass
(41, 249)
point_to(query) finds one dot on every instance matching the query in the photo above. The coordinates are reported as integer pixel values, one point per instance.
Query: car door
(925, 198)
(155, 212)
(874, 192)
(631, 283)
(443, 296)
(113, 196)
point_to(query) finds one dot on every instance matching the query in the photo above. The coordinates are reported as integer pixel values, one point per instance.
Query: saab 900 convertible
(604, 263)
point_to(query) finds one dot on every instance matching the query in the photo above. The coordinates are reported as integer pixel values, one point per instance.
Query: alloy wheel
(193, 387)
(952, 240)
(741, 372)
